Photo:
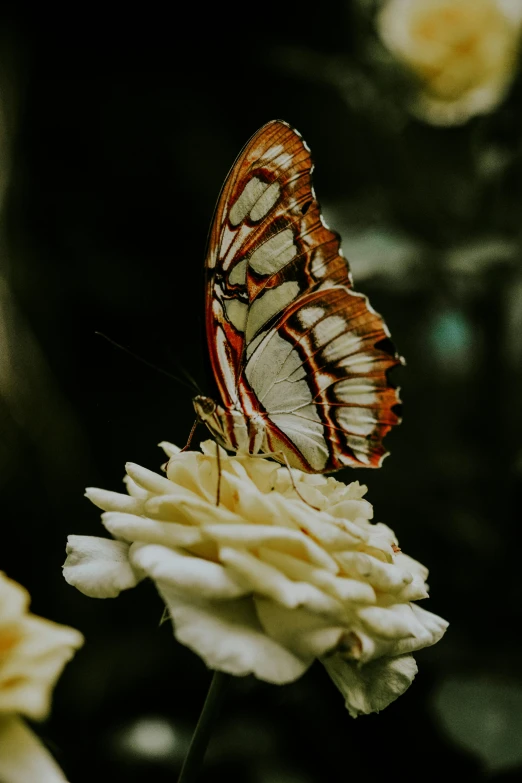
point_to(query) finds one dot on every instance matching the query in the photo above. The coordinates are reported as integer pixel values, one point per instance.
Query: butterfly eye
(205, 407)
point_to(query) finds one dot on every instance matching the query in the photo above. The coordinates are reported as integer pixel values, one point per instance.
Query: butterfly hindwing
(288, 337)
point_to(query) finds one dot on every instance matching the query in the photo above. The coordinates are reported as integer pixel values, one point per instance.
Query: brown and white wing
(288, 337)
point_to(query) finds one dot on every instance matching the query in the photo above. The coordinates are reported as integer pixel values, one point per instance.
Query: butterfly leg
(287, 465)
(293, 482)
(218, 455)
(191, 435)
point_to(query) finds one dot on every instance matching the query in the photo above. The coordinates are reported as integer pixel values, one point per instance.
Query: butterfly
(300, 359)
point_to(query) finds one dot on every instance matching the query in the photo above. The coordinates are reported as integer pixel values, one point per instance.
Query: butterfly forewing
(289, 339)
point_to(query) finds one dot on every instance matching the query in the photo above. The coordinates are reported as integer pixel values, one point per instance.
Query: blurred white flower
(264, 582)
(463, 52)
(33, 652)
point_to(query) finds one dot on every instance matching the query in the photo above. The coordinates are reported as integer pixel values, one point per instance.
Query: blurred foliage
(116, 137)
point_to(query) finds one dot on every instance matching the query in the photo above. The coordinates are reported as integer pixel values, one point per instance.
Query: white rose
(33, 652)
(265, 582)
(463, 52)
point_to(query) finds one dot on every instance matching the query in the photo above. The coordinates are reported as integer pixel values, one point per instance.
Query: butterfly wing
(288, 337)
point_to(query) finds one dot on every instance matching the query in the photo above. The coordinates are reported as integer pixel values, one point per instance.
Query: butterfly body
(300, 358)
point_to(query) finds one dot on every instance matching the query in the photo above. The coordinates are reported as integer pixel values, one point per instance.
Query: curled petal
(263, 581)
(384, 576)
(407, 563)
(14, 600)
(303, 632)
(392, 622)
(99, 567)
(28, 675)
(345, 590)
(23, 758)
(188, 575)
(185, 507)
(370, 688)
(148, 479)
(133, 528)
(266, 580)
(113, 501)
(327, 531)
(415, 591)
(169, 448)
(293, 542)
(352, 510)
(229, 638)
(434, 626)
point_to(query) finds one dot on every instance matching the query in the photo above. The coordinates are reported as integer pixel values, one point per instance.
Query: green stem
(201, 736)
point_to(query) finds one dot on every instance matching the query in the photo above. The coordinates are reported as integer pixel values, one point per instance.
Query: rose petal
(169, 448)
(134, 490)
(148, 480)
(305, 633)
(352, 510)
(268, 581)
(341, 588)
(434, 626)
(113, 501)
(325, 529)
(153, 531)
(14, 600)
(185, 507)
(29, 674)
(293, 542)
(392, 622)
(408, 564)
(415, 591)
(99, 567)
(384, 576)
(190, 575)
(229, 638)
(370, 688)
(23, 758)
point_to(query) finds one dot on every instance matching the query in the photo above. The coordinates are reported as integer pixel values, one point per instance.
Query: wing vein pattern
(292, 345)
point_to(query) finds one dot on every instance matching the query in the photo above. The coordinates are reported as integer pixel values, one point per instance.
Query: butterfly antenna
(192, 386)
(195, 385)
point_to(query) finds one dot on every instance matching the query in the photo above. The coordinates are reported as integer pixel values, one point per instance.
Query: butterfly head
(229, 427)
(205, 408)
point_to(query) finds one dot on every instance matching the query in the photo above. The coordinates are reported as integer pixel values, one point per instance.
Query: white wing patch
(236, 311)
(287, 396)
(328, 329)
(265, 203)
(288, 402)
(237, 275)
(274, 254)
(318, 267)
(221, 341)
(239, 237)
(307, 433)
(250, 194)
(264, 366)
(342, 346)
(358, 391)
(308, 316)
(359, 446)
(362, 363)
(358, 421)
(268, 304)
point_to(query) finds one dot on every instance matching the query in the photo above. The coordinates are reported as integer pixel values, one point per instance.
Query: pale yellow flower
(265, 582)
(463, 52)
(33, 652)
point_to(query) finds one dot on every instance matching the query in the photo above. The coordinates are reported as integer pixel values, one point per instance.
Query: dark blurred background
(116, 132)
